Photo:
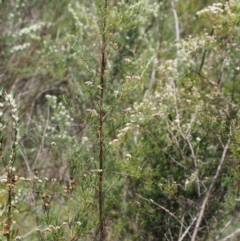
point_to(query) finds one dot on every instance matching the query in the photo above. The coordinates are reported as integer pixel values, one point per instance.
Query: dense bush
(119, 120)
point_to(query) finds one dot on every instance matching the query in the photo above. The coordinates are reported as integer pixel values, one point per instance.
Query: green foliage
(164, 110)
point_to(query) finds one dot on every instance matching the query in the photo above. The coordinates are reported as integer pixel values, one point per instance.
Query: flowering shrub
(126, 126)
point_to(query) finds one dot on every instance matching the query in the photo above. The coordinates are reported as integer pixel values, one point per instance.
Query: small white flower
(94, 112)
(116, 93)
(127, 60)
(129, 156)
(125, 129)
(15, 117)
(2, 127)
(19, 238)
(89, 83)
(137, 77)
(120, 135)
(198, 139)
(84, 139)
(14, 110)
(113, 142)
(186, 182)
(53, 144)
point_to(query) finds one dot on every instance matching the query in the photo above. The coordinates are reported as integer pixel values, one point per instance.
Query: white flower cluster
(127, 60)
(191, 45)
(50, 228)
(139, 114)
(60, 117)
(192, 178)
(128, 156)
(20, 47)
(92, 112)
(116, 93)
(214, 9)
(72, 10)
(31, 32)
(11, 103)
(18, 238)
(122, 133)
(89, 83)
(17, 197)
(33, 28)
(78, 223)
(96, 170)
(84, 22)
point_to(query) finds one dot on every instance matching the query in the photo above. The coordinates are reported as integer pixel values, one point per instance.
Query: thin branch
(163, 208)
(101, 121)
(205, 201)
(231, 235)
(224, 228)
(187, 229)
(203, 57)
(177, 33)
(178, 163)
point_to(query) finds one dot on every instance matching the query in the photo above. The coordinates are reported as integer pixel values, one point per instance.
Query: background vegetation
(119, 120)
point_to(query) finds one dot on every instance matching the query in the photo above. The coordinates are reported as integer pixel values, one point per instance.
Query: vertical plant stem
(204, 56)
(9, 210)
(101, 120)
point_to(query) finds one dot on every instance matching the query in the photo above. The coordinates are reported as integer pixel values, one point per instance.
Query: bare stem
(205, 201)
(101, 120)
(167, 211)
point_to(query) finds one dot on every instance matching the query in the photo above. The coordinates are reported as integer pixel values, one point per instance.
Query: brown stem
(204, 56)
(9, 211)
(101, 120)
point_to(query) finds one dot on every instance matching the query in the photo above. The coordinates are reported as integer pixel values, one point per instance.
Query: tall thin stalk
(101, 120)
